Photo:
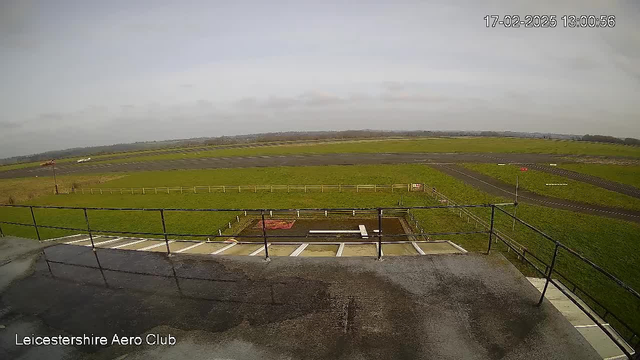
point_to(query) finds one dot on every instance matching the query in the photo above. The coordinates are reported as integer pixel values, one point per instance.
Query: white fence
(251, 188)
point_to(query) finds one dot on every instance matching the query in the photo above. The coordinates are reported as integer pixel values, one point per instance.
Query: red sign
(48, 163)
(524, 169)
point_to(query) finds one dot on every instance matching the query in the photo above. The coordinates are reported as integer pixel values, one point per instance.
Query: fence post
(35, 225)
(224, 189)
(1, 233)
(194, 190)
(493, 212)
(209, 188)
(264, 236)
(142, 191)
(379, 233)
(86, 218)
(546, 284)
(164, 231)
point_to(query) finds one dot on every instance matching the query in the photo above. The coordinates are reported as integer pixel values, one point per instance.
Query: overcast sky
(81, 73)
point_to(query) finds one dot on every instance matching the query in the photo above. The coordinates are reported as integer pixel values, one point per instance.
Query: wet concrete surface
(422, 307)
(500, 188)
(287, 160)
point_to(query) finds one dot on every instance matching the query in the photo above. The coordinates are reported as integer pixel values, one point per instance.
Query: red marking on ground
(276, 224)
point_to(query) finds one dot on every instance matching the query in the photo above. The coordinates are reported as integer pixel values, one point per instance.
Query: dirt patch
(398, 250)
(282, 250)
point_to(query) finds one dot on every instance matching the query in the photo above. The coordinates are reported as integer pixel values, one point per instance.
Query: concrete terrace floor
(454, 306)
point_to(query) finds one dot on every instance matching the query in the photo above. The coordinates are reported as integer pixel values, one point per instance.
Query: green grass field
(438, 145)
(610, 243)
(536, 181)
(465, 144)
(625, 174)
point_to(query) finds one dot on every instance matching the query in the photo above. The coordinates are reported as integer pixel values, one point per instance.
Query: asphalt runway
(499, 188)
(287, 160)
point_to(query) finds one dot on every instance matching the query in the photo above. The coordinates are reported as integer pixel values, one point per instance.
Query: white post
(209, 188)
(237, 218)
(142, 191)
(321, 188)
(194, 189)
(245, 213)
(270, 213)
(255, 188)
(100, 191)
(224, 189)
(298, 211)
(325, 213)
(229, 224)
(219, 232)
(354, 213)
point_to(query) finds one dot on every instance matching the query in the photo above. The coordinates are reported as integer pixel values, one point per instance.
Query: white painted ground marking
(457, 247)
(299, 249)
(590, 325)
(258, 251)
(623, 356)
(156, 245)
(190, 247)
(340, 249)
(363, 231)
(64, 237)
(105, 242)
(415, 246)
(223, 249)
(76, 241)
(381, 252)
(127, 244)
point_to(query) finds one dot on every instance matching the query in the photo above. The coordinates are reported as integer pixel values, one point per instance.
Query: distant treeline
(611, 139)
(296, 136)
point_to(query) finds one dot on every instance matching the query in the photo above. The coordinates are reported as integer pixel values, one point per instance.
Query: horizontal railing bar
(253, 209)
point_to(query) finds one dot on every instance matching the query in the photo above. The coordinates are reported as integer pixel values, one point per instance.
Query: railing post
(164, 231)
(379, 234)
(493, 212)
(264, 236)
(35, 225)
(546, 284)
(86, 218)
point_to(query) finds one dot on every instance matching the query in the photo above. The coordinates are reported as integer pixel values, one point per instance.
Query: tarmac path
(286, 160)
(499, 188)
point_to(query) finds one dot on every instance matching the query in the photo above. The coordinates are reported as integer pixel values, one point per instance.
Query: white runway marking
(418, 249)
(259, 250)
(105, 242)
(127, 244)
(190, 247)
(76, 241)
(340, 249)
(155, 246)
(299, 249)
(223, 249)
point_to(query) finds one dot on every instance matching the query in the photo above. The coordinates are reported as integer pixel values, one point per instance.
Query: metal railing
(523, 253)
(633, 339)
(378, 212)
(248, 188)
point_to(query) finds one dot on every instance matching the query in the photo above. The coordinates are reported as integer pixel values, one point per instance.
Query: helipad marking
(190, 247)
(223, 249)
(415, 246)
(105, 242)
(363, 231)
(127, 244)
(259, 250)
(299, 250)
(155, 246)
(340, 249)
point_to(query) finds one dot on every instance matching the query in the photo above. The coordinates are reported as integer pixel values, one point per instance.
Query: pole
(546, 284)
(86, 218)
(516, 206)
(164, 231)
(379, 234)
(55, 181)
(493, 212)
(35, 225)
(264, 236)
